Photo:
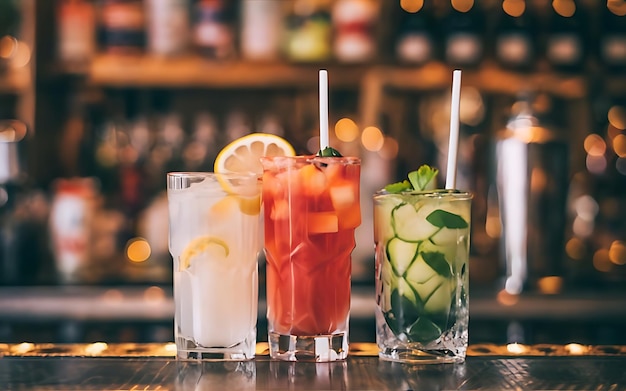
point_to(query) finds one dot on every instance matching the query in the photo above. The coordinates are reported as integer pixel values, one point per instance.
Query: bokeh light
(372, 139)
(596, 164)
(575, 348)
(21, 56)
(514, 8)
(601, 260)
(505, 298)
(462, 5)
(138, 250)
(411, 6)
(8, 46)
(575, 249)
(594, 145)
(565, 8)
(617, 252)
(346, 130)
(617, 117)
(550, 285)
(619, 145)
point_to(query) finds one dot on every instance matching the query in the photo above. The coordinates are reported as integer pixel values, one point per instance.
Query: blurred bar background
(100, 98)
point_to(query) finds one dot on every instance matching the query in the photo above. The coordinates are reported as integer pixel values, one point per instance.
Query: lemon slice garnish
(213, 246)
(243, 154)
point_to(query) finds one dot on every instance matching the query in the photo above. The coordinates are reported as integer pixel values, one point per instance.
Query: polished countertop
(101, 366)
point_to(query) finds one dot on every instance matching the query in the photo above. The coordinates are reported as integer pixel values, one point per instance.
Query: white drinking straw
(323, 81)
(453, 144)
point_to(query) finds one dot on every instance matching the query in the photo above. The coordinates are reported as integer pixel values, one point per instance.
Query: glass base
(188, 350)
(318, 348)
(421, 356)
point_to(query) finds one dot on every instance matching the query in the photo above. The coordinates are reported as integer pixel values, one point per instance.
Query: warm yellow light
(601, 260)
(138, 250)
(619, 145)
(514, 8)
(565, 8)
(372, 139)
(574, 348)
(8, 45)
(618, 7)
(411, 6)
(550, 285)
(462, 5)
(24, 347)
(516, 348)
(507, 299)
(617, 252)
(617, 117)
(594, 145)
(346, 130)
(96, 348)
(575, 249)
(21, 56)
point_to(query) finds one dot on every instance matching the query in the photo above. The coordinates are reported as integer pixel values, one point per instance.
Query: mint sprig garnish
(424, 178)
(328, 152)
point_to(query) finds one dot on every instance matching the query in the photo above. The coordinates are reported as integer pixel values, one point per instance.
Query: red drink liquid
(311, 207)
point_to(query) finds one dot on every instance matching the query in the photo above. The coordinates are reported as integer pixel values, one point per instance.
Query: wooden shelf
(488, 78)
(198, 72)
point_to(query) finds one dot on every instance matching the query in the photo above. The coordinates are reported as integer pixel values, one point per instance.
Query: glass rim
(435, 193)
(177, 180)
(312, 158)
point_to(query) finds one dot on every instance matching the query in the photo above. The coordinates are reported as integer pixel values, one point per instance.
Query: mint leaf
(423, 178)
(398, 187)
(437, 262)
(443, 219)
(328, 152)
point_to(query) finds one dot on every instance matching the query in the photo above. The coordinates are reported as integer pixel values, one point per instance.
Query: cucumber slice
(440, 300)
(401, 254)
(419, 272)
(383, 207)
(410, 224)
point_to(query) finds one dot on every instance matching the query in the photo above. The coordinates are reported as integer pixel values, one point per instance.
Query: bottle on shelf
(308, 32)
(76, 34)
(168, 26)
(464, 34)
(213, 28)
(565, 47)
(261, 29)
(514, 43)
(612, 42)
(122, 26)
(354, 26)
(23, 213)
(417, 37)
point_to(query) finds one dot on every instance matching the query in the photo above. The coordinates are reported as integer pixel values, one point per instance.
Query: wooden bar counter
(101, 366)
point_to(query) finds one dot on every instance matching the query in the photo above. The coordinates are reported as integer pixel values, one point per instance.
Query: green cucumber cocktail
(422, 251)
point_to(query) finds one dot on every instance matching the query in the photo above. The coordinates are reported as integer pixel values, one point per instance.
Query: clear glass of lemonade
(214, 222)
(311, 209)
(422, 273)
